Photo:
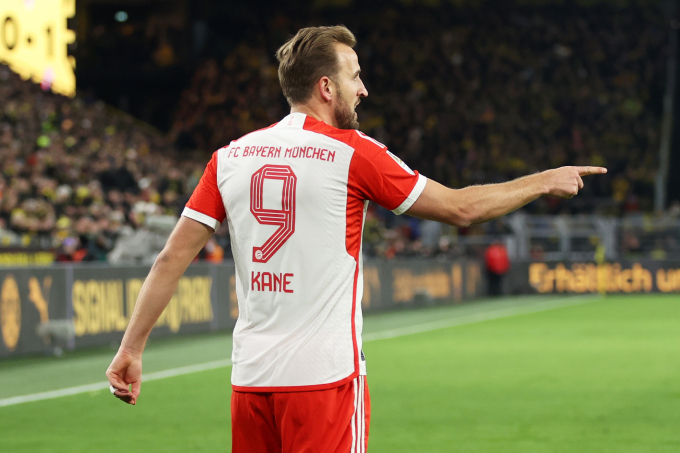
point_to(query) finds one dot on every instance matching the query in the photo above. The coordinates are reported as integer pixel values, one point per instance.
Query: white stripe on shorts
(359, 419)
(362, 421)
(354, 417)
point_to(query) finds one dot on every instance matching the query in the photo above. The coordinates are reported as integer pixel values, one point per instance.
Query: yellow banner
(16, 259)
(103, 306)
(603, 278)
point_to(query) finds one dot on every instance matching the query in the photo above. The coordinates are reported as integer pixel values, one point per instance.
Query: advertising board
(624, 276)
(43, 309)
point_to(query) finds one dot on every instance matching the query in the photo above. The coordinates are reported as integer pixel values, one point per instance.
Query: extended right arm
(478, 204)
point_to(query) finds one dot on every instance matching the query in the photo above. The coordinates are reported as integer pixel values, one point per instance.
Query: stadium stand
(77, 175)
(465, 95)
(478, 95)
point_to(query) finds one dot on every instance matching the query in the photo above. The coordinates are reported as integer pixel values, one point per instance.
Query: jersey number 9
(284, 218)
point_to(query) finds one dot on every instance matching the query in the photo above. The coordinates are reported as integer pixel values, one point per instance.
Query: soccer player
(295, 196)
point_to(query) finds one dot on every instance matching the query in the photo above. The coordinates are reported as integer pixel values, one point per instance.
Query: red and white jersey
(295, 196)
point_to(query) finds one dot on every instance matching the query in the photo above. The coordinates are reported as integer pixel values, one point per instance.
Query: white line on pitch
(105, 385)
(479, 317)
(386, 334)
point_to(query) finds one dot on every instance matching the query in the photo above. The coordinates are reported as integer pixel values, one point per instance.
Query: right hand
(565, 182)
(126, 370)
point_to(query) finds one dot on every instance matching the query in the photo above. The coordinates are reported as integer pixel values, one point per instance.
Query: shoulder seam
(354, 148)
(370, 139)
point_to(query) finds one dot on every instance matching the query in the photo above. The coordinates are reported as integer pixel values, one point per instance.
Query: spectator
(482, 95)
(476, 94)
(74, 176)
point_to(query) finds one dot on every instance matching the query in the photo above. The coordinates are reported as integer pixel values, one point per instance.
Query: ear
(326, 88)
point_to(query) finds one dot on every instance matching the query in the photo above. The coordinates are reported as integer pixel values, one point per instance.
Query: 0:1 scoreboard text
(34, 41)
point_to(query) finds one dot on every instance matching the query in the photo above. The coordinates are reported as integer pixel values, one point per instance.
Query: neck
(321, 114)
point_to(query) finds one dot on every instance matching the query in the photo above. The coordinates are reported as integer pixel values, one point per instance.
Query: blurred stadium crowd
(488, 98)
(479, 96)
(77, 175)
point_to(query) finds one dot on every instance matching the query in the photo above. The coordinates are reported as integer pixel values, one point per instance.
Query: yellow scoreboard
(34, 41)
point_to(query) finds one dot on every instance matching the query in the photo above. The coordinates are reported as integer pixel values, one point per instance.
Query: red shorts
(321, 421)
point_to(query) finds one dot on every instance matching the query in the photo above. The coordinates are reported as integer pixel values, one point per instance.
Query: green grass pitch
(598, 376)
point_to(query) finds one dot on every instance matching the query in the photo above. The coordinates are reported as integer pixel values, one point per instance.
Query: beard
(344, 115)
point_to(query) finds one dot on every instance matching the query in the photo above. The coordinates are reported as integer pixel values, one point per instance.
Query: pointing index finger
(585, 171)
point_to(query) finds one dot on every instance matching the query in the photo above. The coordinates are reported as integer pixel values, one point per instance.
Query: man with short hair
(295, 196)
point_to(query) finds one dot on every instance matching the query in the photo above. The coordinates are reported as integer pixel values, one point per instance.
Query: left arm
(186, 240)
